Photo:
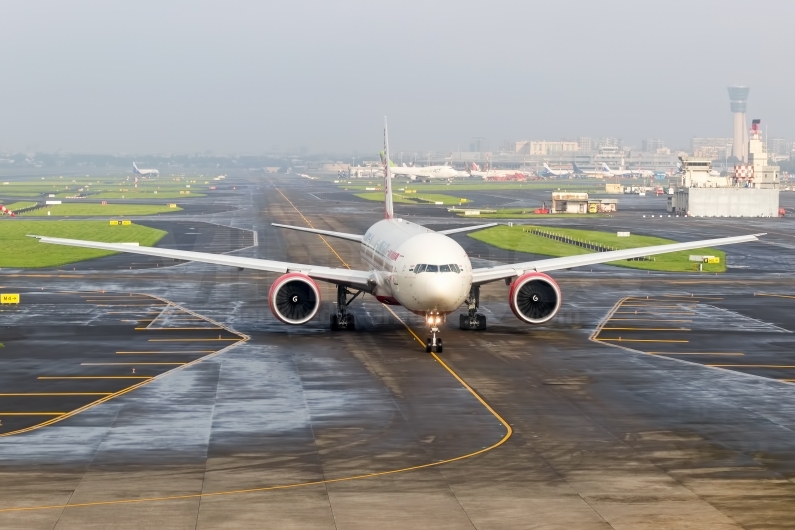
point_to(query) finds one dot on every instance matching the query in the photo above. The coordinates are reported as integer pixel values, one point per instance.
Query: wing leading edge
(340, 235)
(500, 272)
(354, 278)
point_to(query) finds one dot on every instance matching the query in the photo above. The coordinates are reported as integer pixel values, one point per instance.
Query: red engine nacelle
(294, 298)
(534, 298)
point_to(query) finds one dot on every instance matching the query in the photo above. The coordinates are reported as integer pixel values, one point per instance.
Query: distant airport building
(585, 144)
(653, 145)
(712, 148)
(545, 148)
(777, 146)
(478, 145)
(752, 190)
(738, 101)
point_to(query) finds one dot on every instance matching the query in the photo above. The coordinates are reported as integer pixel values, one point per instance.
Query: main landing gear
(473, 319)
(435, 343)
(341, 319)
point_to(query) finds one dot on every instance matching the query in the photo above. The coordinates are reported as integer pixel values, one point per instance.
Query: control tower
(738, 99)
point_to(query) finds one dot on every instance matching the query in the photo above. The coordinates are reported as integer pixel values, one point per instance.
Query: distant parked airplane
(557, 172)
(145, 172)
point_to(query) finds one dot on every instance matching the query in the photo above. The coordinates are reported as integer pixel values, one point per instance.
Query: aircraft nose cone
(442, 290)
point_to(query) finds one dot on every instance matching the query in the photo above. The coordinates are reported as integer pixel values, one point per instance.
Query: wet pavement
(581, 423)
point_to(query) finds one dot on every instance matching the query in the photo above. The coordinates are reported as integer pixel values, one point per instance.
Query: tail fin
(576, 169)
(388, 210)
(135, 168)
(547, 167)
(605, 167)
(383, 159)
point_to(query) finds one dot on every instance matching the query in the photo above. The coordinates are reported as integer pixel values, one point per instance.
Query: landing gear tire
(438, 345)
(351, 322)
(476, 321)
(334, 323)
(428, 346)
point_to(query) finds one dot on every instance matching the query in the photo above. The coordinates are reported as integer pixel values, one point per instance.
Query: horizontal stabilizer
(340, 235)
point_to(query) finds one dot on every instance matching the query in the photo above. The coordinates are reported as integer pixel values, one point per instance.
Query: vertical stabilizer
(388, 211)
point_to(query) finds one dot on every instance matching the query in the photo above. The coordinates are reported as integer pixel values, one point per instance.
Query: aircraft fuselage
(424, 271)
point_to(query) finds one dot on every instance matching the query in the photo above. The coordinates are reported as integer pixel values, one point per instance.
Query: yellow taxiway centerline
(503, 423)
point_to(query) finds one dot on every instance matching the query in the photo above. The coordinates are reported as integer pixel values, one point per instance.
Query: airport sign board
(8, 298)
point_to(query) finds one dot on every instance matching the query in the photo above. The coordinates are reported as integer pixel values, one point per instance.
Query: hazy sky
(246, 77)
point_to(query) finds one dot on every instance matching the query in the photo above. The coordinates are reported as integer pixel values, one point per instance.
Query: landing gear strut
(473, 319)
(341, 319)
(434, 319)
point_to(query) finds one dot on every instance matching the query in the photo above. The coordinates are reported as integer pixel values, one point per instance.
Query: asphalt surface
(684, 420)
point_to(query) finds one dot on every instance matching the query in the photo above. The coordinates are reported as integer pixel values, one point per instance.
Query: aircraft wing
(354, 278)
(466, 229)
(500, 272)
(340, 235)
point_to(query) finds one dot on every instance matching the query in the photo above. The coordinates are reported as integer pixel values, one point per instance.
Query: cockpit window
(417, 269)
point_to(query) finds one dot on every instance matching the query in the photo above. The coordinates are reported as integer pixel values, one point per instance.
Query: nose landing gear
(473, 319)
(434, 343)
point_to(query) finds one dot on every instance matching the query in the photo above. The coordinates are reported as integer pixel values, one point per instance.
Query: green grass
(20, 251)
(93, 209)
(520, 239)
(14, 206)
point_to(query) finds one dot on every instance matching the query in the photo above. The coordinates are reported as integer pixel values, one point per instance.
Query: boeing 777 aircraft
(410, 265)
(145, 172)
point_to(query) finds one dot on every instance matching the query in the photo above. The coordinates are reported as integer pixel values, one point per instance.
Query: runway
(578, 424)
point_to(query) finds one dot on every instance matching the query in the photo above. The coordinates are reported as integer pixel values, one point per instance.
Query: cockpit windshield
(423, 267)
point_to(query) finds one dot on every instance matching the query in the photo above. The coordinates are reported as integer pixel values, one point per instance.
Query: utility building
(752, 191)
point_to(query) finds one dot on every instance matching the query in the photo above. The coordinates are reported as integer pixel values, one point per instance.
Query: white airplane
(410, 265)
(145, 172)
(428, 172)
(589, 172)
(489, 174)
(606, 171)
(557, 172)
